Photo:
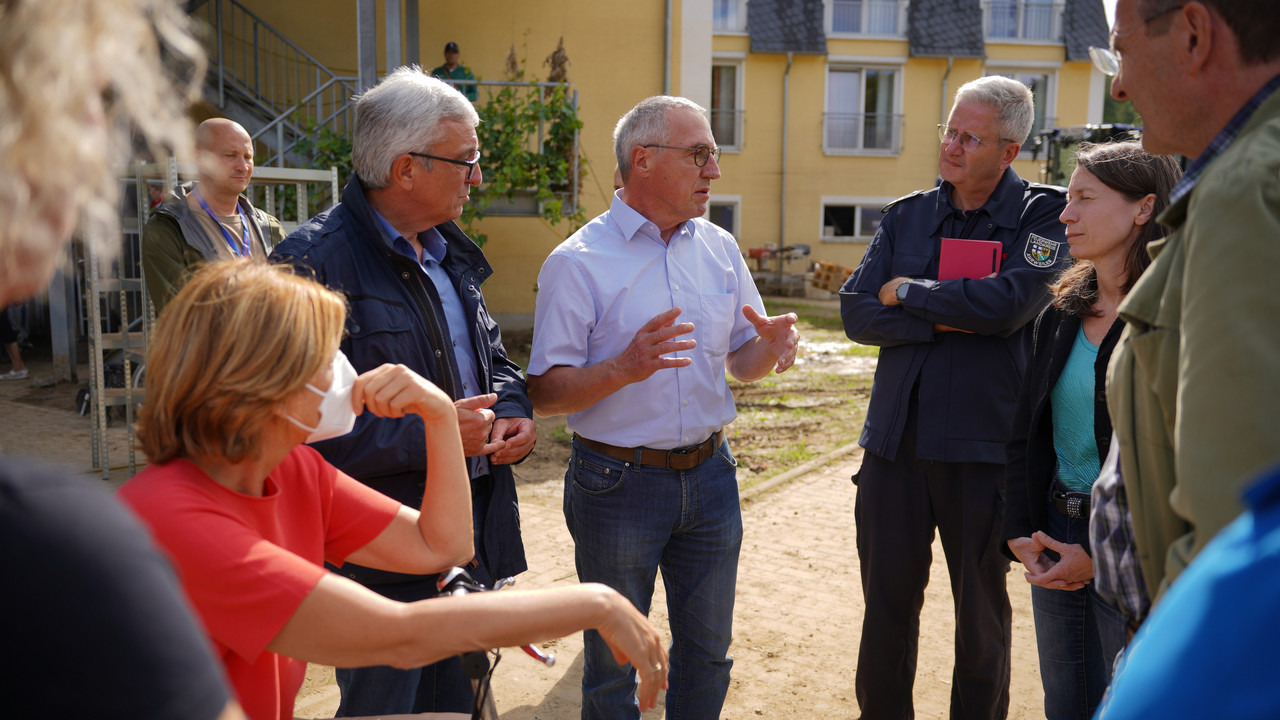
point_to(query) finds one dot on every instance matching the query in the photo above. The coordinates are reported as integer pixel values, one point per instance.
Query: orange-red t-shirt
(248, 562)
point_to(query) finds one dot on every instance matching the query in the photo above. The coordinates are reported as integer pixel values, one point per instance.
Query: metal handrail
(286, 119)
(271, 75)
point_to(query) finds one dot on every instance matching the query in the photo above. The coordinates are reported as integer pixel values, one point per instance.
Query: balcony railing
(1024, 20)
(726, 127)
(868, 17)
(862, 133)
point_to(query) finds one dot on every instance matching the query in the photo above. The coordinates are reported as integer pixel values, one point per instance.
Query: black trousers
(899, 503)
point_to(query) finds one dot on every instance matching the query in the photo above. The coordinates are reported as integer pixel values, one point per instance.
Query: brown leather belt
(685, 458)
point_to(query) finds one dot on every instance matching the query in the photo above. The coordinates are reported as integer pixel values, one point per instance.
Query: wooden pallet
(829, 276)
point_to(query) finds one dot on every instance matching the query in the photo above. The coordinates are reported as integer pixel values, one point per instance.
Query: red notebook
(968, 258)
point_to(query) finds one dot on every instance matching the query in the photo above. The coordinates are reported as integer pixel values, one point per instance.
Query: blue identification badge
(243, 250)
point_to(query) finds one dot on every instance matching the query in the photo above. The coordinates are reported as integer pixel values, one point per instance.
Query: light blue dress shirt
(606, 281)
(433, 252)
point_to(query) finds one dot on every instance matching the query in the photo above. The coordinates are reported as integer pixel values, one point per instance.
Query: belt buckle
(1074, 503)
(686, 451)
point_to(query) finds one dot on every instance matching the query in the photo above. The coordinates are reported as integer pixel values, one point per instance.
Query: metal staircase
(264, 81)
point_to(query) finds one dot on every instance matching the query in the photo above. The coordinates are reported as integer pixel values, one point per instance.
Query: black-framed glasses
(948, 135)
(470, 165)
(1106, 59)
(701, 153)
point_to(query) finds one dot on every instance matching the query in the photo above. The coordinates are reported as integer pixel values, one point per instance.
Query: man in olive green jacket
(1192, 388)
(209, 220)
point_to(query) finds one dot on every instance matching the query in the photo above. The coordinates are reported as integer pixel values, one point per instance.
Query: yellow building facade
(814, 143)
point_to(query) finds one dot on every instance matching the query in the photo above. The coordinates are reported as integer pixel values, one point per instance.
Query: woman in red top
(243, 369)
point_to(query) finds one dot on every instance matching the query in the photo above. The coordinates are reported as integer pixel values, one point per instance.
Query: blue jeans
(1078, 636)
(628, 521)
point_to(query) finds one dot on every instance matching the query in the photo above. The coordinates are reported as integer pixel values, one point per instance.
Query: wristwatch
(901, 292)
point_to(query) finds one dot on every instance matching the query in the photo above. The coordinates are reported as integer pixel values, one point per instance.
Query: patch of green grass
(796, 454)
(560, 433)
(861, 350)
(816, 316)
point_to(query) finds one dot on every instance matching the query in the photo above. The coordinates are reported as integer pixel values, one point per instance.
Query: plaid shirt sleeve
(1117, 576)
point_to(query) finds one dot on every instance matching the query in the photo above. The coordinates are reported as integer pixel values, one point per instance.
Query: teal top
(1072, 407)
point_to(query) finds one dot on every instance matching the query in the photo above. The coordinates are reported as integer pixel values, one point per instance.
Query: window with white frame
(726, 103)
(1043, 84)
(851, 219)
(864, 110)
(729, 16)
(1033, 20)
(723, 210)
(869, 17)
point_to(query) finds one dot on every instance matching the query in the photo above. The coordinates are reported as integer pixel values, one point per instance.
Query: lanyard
(243, 250)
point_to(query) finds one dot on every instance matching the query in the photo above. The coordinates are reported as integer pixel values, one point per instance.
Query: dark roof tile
(945, 28)
(779, 26)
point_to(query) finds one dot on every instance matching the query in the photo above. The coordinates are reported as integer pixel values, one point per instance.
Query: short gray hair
(646, 124)
(1011, 98)
(402, 114)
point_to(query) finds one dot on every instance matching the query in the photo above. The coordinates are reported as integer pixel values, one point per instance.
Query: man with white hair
(210, 219)
(413, 282)
(952, 354)
(651, 484)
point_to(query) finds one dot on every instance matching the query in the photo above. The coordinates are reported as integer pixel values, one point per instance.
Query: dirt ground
(799, 608)
(799, 601)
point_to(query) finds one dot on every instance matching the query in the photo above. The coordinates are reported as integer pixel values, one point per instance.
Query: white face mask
(337, 417)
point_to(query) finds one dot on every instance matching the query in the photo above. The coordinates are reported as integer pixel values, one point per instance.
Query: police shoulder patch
(1040, 251)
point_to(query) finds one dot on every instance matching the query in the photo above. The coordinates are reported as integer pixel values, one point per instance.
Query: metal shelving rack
(102, 287)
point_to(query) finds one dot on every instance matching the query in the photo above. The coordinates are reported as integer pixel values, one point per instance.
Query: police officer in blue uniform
(946, 386)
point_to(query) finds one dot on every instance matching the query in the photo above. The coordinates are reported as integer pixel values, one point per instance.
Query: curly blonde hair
(78, 80)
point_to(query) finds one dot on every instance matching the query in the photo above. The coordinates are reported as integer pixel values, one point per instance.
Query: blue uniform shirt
(967, 383)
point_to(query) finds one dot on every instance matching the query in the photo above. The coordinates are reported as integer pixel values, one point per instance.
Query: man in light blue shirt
(651, 483)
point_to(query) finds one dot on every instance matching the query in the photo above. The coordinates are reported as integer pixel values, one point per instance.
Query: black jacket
(345, 249)
(1029, 472)
(968, 381)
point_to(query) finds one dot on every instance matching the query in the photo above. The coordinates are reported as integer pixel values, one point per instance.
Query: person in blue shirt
(952, 356)
(639, 316)
(412, 279)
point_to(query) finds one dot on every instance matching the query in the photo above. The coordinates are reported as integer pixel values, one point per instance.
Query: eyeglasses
(701, 153)
(1106, 59)
(948, 135)
(470, 165)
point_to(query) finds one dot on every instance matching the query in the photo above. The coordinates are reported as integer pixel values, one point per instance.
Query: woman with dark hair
(1062, 429)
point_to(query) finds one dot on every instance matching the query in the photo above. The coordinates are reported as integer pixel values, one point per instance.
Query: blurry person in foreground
(1191, 387)
(96, 624)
